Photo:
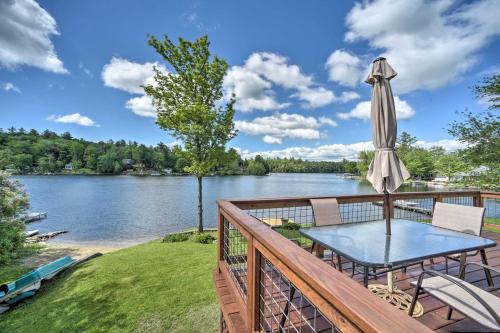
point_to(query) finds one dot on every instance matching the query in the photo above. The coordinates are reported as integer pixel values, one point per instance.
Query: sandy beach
(53, 251)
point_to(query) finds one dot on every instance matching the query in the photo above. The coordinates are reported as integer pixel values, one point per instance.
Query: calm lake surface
(123, 210)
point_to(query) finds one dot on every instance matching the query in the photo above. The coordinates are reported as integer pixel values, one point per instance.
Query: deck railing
(265, 264)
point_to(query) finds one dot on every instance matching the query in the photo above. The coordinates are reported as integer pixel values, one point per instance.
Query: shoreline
(53, 251)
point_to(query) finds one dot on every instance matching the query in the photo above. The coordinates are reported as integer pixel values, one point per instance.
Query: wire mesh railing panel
(361, 211)
(287, 221)
(414, 209)
(464, 201)
(283, 307)
(301, 215)
(234, 254)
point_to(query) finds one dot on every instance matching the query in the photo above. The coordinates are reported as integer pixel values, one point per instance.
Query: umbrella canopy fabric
(386, 172)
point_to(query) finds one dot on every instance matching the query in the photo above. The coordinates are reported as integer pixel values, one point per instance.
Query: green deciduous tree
(107, 163)
(405, 144)
(188, 104)
(256, 168)
(449, 164)
(23, 162)
(489, 89)
(48, 163)
(13, 202)
(364, 160)
(419, 163)
(261, 160)
(480, 133)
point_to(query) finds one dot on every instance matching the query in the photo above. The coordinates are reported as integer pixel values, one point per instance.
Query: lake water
(122, 210)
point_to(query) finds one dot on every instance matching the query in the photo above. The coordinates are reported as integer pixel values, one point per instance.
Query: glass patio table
(367, 245)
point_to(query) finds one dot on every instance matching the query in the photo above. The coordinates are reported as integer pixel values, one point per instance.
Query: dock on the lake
(35, 216)
(408, 206)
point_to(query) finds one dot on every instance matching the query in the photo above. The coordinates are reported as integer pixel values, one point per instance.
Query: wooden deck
(434, 315)
(267, 283)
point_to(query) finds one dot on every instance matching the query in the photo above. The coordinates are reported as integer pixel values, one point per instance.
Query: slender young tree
(189, 104)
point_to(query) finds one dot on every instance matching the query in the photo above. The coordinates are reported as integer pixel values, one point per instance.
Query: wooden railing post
(220, 235)
(253, 286)
(439, 198)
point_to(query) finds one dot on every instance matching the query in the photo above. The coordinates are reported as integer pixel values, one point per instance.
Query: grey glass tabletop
(367, 244)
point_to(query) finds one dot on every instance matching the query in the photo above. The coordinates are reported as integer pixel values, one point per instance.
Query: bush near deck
(152, 287)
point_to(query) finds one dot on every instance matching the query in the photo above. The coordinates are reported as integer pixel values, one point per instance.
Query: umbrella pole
(387, 210)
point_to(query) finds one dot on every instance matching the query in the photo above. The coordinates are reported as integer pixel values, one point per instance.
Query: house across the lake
(128, 163)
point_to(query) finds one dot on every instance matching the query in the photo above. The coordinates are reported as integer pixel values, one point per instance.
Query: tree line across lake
(23, 152)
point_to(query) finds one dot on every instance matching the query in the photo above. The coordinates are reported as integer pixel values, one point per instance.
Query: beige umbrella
(386, 172)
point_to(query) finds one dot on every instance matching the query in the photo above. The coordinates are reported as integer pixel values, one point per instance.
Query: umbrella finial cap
(379, 58)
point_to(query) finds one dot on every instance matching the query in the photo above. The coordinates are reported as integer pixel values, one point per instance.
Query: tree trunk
(200, 204)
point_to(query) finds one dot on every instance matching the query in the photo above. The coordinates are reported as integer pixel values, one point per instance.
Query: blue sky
(297, 67)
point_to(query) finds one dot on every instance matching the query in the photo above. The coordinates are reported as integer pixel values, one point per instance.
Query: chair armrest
(483, 266)
(461, 284)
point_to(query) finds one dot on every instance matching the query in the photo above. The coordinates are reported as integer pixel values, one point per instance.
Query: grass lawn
(492, 220)
(152, 287)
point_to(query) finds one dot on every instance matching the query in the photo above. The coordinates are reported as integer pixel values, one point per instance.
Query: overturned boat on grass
(27, 285)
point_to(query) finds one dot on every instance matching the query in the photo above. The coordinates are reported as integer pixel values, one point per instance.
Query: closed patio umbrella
(386, 172)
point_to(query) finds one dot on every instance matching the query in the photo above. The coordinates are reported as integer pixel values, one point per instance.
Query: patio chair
(327, 212)
(473, 302)
(459, 218)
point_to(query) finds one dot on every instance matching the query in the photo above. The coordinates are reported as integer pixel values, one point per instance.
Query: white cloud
(252, 91)
(253, 82)
(272, 140)
(429, 43)
(327, 121)
(74, 118)
(363, 110)
(347, 96)
(332, 152)
(337, 152)
(315, 97)
(141, 106)
(25, 31)
(275, 67)
(447, 144)
(283, 125)
(344, 68)
(8, 86)
(128, 76)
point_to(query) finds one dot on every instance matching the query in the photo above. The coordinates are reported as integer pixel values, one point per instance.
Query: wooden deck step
(234, 320)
